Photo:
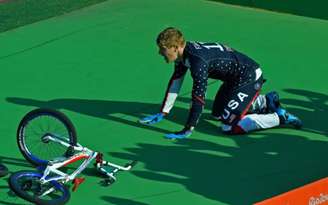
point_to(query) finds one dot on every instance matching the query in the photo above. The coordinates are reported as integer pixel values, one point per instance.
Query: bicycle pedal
(77, 182)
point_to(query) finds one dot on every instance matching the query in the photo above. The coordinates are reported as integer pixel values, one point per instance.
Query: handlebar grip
(132, 164)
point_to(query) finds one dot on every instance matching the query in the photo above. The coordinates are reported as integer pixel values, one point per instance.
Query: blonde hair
(170, 37)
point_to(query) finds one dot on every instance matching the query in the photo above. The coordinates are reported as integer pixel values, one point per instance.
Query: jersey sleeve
(199, 73)
(173, 87)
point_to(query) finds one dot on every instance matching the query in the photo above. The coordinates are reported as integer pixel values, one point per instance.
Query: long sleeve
(199, 73)
(173, 87)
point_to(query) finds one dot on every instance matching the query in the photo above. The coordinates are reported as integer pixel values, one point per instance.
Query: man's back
(218, 62)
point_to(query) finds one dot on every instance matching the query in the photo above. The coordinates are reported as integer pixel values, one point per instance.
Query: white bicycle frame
(83, 153)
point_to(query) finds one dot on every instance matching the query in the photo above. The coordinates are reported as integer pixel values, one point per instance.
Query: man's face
(169, 54)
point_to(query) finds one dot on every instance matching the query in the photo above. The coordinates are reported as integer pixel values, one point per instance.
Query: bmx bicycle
(48, 140)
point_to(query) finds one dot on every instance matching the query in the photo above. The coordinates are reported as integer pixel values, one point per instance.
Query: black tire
(3, 170)
(27, 186)
(31, 142)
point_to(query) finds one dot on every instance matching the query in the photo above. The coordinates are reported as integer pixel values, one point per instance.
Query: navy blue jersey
(208, 60)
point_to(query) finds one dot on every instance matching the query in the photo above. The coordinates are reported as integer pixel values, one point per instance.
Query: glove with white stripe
(152, 119)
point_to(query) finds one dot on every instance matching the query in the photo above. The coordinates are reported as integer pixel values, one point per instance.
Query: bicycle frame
(83, 153)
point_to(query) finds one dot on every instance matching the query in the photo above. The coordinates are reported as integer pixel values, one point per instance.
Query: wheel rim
(35, 142)
(28, 182)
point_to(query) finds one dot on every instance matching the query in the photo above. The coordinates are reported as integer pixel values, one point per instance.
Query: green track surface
(100, 66)
(315, 8)
(15, 13)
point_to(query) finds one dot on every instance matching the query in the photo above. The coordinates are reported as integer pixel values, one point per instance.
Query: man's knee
(233, 129)
(237, 130)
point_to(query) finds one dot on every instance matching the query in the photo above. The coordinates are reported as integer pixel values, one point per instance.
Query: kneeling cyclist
(237, 104)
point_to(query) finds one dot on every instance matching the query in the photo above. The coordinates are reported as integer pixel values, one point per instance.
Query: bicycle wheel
(26, 184)
(3, 170)
(33, 135)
